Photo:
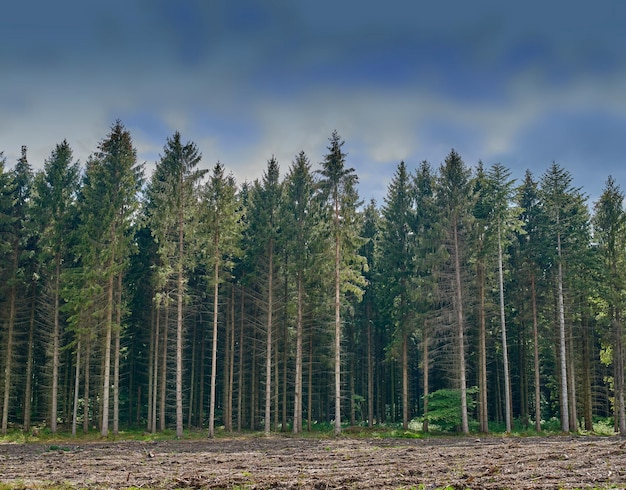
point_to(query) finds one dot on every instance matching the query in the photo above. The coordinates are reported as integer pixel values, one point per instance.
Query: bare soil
(341, 463)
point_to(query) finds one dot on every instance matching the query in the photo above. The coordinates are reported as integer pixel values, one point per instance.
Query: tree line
(186, 300)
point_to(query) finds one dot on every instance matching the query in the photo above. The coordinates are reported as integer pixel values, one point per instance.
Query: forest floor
(257, 462)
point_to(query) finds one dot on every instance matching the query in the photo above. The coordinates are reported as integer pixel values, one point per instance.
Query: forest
(182, 300)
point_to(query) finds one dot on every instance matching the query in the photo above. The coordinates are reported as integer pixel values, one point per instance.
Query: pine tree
(483, 248)
(610, 233)
(338, 192)
(559, 200)
(55, 192)
(427, 260)
(529, 244)
(300, 219)
(397, 247)
(220, 226)
(109, 204)
(173, 215)
(504, 221)
(18, 238)
(264, 226)
(370, 252)
(455, 197)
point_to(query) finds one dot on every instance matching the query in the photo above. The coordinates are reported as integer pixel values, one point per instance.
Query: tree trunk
(155, 367)
(268, 358)
(285, 338)
(426, 369)
(179, 326)
(505, 349)
(586, 368)
(76, 387)
(536, 354)
(231, 361)
(405, 382)
(8, 368)
(241, 366)
(571, 380)
(201, 376)
(216, 289)
(87, 384)
(565, 424)
(106, 378)
(192, 378)
(618, 366)
(116, 359)
(370, 367)
(297, 401)
(337, 322)
(309, 418)
(28, 390)
(460, 330)
(483, 410)
(55, 346)
(163, 387)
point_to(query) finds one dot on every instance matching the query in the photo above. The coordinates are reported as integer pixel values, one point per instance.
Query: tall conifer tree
(339, 195)
(455, 198)
(220, 227)
(173, 218)
(109, 204)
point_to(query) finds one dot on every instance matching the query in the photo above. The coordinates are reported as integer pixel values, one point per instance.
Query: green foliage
(444, 408)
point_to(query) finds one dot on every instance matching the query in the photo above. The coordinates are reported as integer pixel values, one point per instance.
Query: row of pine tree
(187, 300)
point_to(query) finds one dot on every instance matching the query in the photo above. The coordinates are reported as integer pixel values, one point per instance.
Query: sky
(517, 83)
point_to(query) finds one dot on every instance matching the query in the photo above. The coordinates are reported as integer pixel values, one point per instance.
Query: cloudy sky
(521, 83)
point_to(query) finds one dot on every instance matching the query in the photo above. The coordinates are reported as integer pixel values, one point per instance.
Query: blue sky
(520, 83)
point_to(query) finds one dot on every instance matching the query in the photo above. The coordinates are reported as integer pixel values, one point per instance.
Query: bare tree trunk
(460, 330)
(28, 390)
(297, 400)
(309, 418)
(370, 368)
(285, 338)
(505, 349)
(241, 366)
(565, 424)
(87, 385)
(155, 368)
(231, 362)
(8, 368)
(56, 333)
(163, 387)
(483, 411)
(571, 380)
(405, 382)
(116, 359)
(179, 326)
(337, 324)
(150, 371)
(76, 387)
(426, 369)
(586, 369)
(618, 363)
(106, 378)
(268, 359)
(351, 375)
(192, 381)
(253, 381)
(536, 354)
(201, 376)
(216, 289)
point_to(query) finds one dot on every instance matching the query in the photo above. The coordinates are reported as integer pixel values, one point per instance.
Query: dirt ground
(283, 462)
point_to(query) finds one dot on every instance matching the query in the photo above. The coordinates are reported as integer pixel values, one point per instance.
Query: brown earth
(284, 462)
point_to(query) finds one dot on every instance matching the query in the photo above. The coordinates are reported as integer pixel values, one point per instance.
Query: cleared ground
(283, 462)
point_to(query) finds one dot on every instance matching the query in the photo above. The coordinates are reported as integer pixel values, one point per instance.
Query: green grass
(550, 427)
